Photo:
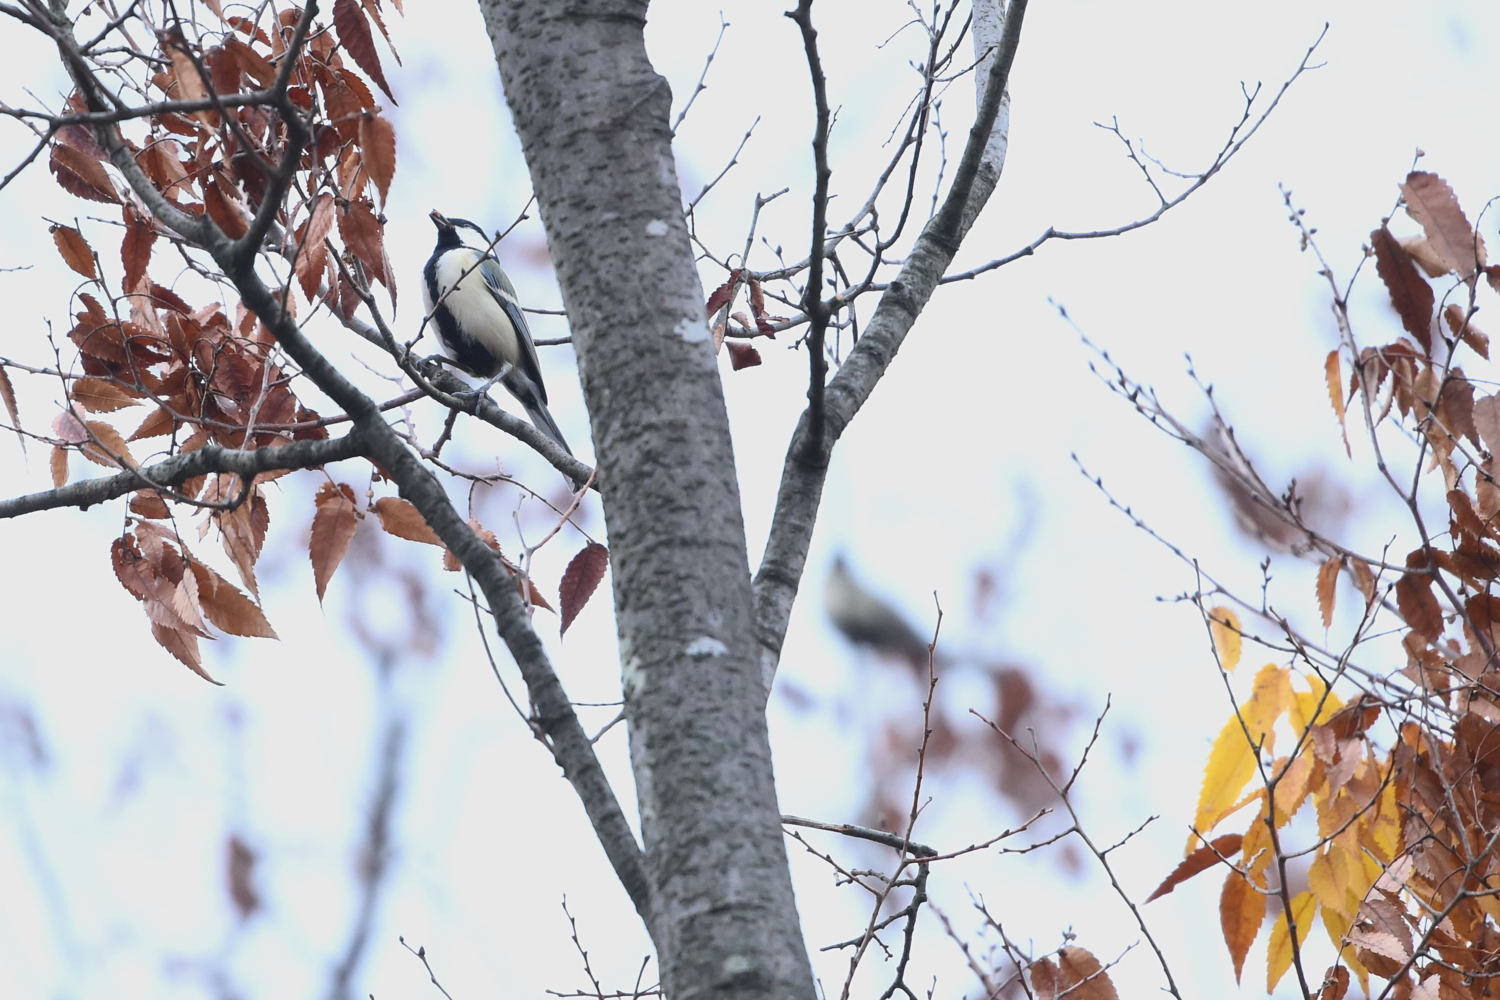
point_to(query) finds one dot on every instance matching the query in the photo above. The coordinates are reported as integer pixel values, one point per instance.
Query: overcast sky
(111, 852)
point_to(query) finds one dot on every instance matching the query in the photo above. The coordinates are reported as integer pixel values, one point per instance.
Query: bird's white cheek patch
(656, 227)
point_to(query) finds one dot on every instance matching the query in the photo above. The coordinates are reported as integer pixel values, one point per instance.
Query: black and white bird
(479, 320)
(867, 620)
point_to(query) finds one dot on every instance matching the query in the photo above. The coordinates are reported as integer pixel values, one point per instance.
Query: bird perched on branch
(867, 620)
(479, 320)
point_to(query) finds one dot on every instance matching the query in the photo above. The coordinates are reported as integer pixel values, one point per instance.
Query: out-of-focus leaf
(1224, 626)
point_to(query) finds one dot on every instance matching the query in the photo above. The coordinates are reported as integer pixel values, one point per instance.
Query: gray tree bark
(593, 119)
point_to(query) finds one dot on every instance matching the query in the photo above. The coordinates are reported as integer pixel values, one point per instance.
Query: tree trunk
(593, 117)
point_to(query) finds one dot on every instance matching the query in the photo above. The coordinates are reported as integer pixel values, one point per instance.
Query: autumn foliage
(1346, 790)
(257, 144)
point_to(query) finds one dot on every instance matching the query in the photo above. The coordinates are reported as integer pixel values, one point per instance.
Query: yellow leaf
(1231, 763)
(1385, 829)
(1323, 883)
(1269, 699)
(1279, 950)
(1291, 787)
(1224, 626)
(1306, 703)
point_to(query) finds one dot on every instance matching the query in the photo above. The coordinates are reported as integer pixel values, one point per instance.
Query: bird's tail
(541, 418)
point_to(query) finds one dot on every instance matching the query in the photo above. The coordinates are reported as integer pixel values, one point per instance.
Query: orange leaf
(1044, 978)
(400, 518)
(1431, 202)
(1224, 627)
(75, 250)
(378, 140)
(1241, 909)
(1200, 860)
(1336, 394)
(59, 467)
(332, 529)
(354, 33)
(1410, 293)
(579, 581)
(1279, 950)
(1328, 578)
(226, 605)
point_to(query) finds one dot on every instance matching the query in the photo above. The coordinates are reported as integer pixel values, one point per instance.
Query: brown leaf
(75, 251)
(362, 234)
(1418, 605)
(148, 503)
(1328, 578)
(719, 297)
(80, 174)
(1431, 202)
(160, 422)
(312, 252)
(742, 355)
(354, 34)
(99, 395)
(1044, 977)
(1241, 910)
(223, 210)
(227, 607)
(377, 138)
(106, 447)
(188, 82)
(332, 529)
(758, 309)
(1410, 293)
(239, 865)
(1462, 325)
(184, 646)
(251, 62)
(135, 249)
(580, 580)
(400, 518)
(1335, 983)
(1080, 976)
(243, 534)
(1487, 422)
(1200, 860)
(59, 467)
(8, 395)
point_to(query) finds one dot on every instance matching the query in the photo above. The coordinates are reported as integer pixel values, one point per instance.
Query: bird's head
(448, 229)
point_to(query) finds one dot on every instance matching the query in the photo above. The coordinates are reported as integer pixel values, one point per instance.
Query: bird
(867, 620)
(479, 320)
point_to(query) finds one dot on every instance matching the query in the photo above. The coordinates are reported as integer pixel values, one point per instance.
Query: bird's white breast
(473, 306)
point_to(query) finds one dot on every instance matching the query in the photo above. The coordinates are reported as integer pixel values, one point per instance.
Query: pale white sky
(111, 854)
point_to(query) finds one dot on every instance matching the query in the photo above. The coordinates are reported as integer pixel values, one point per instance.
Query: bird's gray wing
(505, 294)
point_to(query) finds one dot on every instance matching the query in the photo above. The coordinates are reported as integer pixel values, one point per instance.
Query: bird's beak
(437, 218)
